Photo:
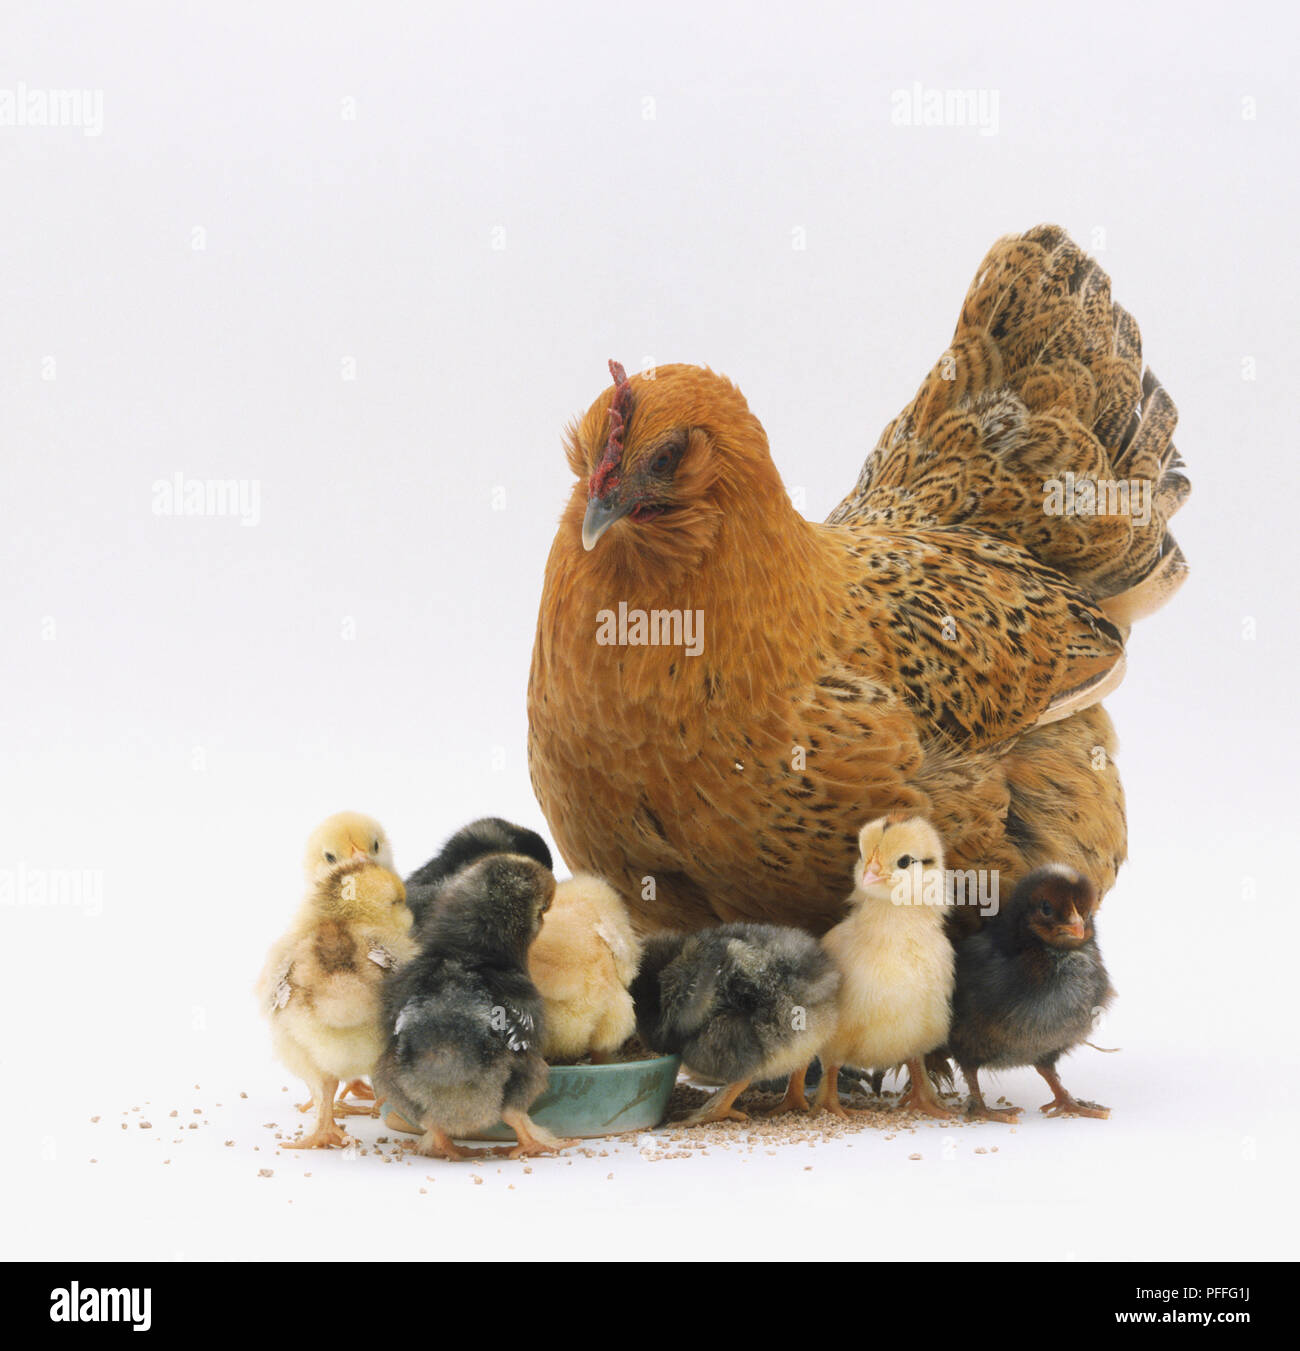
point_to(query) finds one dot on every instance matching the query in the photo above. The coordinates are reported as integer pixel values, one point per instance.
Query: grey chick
(1028, 987)
(463, 1019)
(488, 835)
(737, 1003)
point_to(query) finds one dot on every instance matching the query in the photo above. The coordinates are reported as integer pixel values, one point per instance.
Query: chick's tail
(1039, 426)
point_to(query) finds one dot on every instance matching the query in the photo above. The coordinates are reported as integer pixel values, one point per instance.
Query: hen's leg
(1062, 1103)
(977, 1109)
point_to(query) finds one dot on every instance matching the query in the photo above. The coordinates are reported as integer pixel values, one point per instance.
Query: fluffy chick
(488, 835)
(896, 961)
(465, 1023)
(582, 962)
(321, 983)
(737, 1003)
(1029, 986)
(341, 838)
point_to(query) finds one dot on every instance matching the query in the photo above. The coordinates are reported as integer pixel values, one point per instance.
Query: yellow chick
(582, 962)
(896, 963)
(320, 987)
(337, 840)
(341, 838)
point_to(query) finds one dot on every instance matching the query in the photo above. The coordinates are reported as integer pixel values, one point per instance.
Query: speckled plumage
(738, 1002)
(464, 1022)
(938, 647)
(487, 835)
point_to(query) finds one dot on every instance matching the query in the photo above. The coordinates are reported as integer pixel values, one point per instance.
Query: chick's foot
(977, 1109)
(1069, 1106)
(532, 1138)
(323, 1137)
(720, 1107)
(1063, 1101)
(436, 1144)
(827, 1097)
(794, 1099)
(358, 1088)
(920, 1095)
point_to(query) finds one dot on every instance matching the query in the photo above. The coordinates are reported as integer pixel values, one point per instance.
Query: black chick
(462, 1018)
(488, 835)
(1028, 987)
(737, 1003)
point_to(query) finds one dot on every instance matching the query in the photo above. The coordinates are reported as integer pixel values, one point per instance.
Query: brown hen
(938, 647)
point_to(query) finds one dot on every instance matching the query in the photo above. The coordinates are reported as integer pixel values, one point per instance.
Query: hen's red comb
(609, 471)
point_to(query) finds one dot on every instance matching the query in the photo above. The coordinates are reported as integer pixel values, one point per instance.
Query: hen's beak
(600, 516)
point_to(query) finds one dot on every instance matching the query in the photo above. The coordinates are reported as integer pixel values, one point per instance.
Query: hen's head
(663, 459)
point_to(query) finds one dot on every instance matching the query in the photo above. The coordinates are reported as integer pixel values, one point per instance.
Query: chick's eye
(1045, 908)
(905, 861)
(374, 848)
(329, 858)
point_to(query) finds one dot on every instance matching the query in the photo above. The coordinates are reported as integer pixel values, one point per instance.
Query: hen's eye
(329, 858)
(661, 462)
(905, 861)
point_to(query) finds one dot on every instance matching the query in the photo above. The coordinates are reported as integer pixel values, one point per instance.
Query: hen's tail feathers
(1040, 426)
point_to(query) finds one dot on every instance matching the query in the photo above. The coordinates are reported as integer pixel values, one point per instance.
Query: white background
(181, 706)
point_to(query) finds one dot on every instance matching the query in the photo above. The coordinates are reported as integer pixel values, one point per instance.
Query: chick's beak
(600, 516)
(1075, 928)
(872, 873)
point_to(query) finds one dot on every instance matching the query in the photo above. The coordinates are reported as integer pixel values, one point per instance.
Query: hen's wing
(1041, 394)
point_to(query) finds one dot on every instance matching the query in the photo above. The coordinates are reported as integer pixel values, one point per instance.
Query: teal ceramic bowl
(585, 1101)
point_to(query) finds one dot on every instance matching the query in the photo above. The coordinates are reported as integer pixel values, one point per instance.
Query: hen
(722, 692)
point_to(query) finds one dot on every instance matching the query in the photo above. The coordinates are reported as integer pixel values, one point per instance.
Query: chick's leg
(327, 1132)
(358, 1088)
(794, 1100)
(437, 1144)
(920, 1095)
(720, 1107)
(1062, 1103)
(977, 1109)
(533, 1139)
(827, 1097)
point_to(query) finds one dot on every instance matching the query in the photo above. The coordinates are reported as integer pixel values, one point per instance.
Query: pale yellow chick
(340, 839)
(895, 960)
(582, 962)
(321, 984)
(343, 837)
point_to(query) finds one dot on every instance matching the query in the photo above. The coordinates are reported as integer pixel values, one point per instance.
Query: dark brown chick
(1029, 987)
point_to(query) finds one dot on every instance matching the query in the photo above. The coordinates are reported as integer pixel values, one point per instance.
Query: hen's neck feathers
(751, 558)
